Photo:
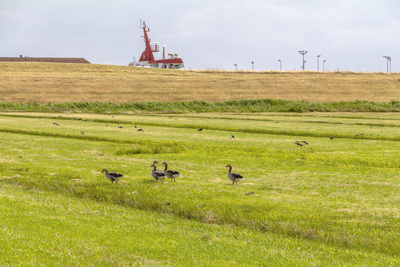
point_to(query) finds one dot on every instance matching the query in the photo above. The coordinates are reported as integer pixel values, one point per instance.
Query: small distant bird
(82, 133)
(112, 176)
(298, 143)
(141, 130)
(234, 177)
(120, 127)
(170, 173)
(158, 175)
(56, 124)
(201, 129)
(79, 119)
(304, 142)
(233, 137)
(331, 138)
(135, 126)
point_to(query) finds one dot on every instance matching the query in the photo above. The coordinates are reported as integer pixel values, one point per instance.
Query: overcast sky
(350, 34)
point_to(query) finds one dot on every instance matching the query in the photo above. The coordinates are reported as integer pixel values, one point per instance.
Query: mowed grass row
(341, 193)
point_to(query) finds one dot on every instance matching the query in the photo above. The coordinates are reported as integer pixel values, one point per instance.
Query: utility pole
(303, 52)
(235, 66)
(252, 66)
(280, 64)
(318, 62)
(323, 65)
(388, 64)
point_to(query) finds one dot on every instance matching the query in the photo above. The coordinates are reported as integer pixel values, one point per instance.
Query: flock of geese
(159, 175)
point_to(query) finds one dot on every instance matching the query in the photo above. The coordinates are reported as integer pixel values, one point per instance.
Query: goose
(158, 175)
(234, 177)
(112, 176)
(170, 173)
(298, 143)
(233, 137)
(56, 124)
(201, 129)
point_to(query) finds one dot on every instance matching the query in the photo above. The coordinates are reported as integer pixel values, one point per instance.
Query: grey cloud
(350, 34)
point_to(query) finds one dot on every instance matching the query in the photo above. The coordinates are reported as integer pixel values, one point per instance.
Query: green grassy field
(333, 202)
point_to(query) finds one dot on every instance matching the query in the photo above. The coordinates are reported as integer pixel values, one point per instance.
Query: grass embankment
(24, 82)
(261, 105)
(334, 201)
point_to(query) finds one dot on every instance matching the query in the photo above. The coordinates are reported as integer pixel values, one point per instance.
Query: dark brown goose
(170, 173)
(112, 176)
(158, 175)
(234, 177)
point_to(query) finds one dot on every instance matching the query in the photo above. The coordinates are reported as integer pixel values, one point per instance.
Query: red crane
(147, 54)
(147, 58)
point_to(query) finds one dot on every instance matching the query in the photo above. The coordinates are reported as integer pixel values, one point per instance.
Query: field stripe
(298, 133)
(281, 120)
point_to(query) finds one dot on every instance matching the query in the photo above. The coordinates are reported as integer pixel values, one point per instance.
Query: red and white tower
(147, 58)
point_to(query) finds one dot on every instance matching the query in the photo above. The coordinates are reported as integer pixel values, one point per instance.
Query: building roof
(44, 59)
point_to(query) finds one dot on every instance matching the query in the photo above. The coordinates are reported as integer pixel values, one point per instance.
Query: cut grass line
(298, 133)
(271, 120)
(313, 115)
(158, 143)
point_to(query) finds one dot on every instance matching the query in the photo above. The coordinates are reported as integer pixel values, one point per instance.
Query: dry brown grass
(57, 82)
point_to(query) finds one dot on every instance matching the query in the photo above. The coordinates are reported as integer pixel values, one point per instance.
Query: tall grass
(260, 105)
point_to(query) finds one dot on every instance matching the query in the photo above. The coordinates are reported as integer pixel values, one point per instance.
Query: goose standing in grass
(112, 176)
(158, 175)
(170, 173)
(234, 177)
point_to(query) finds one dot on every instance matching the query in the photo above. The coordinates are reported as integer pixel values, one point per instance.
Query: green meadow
(335, 201)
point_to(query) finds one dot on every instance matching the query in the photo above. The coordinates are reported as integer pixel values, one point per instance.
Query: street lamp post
(235, 66)
(280, 64)
(318, 62)
(303, 52)
(323, 65)
(388, 64)
(252, 66)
